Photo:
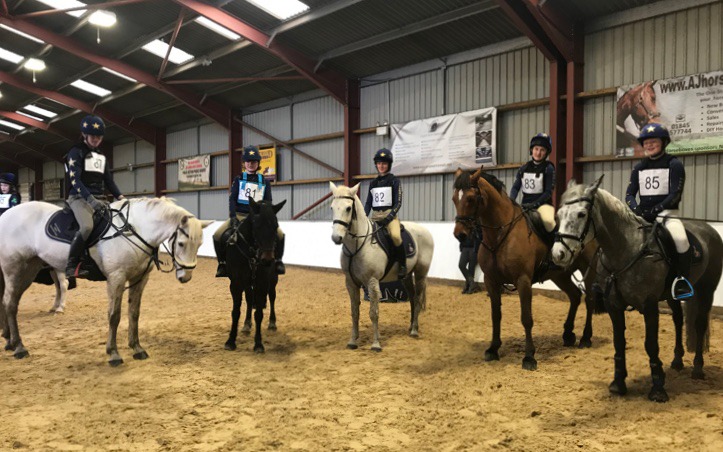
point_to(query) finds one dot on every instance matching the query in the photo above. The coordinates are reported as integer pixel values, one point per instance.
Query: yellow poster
(267, 167)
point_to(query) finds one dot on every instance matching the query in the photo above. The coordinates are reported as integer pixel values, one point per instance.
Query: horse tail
(694, 309)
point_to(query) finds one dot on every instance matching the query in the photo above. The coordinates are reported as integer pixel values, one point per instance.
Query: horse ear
(571, 183)
(278, 206)
(205, 223)
(474, 177)
(254, 205)
(355, 189)
(332, 187)
(592, 188)
(458, 172)
(184, 220)
(597, 183)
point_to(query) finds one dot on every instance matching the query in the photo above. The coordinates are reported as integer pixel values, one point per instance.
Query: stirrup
(687, 292)
(280, 268)
(221, 271)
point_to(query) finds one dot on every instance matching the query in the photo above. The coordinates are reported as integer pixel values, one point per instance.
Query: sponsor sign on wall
(194, 173)
(268, 166)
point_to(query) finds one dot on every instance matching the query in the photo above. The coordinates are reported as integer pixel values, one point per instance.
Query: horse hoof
(376, 348)
(259, 349)
(677, 364)
(491, 356)
(618, 388)
(272, 326)
(658, 395)
(8, 347)
(246, 330)
(115, 362)
(698, 374)
(21, 354)
(352, 346)
(230, 346)
(585, 343)
(529, 363)
(414, 334)
(569, 339)
(140, 355)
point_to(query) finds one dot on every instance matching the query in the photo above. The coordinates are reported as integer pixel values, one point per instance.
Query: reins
(347, 252)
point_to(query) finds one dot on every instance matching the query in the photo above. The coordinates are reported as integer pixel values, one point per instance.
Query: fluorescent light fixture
(40, 111)
(282, 9)
(91, 88)
(213, 26)
(30, 116)
(102, 18)
(12, 125)
(118, 74)
(35, 64)
(10, 56)
(66, 4)
(160, 48)
(24, 35)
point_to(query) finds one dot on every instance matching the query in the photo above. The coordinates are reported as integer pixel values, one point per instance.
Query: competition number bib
(382, 197)
(654, 182)
(532, 183)
(5, 201)
(248, 190)
(95, 163)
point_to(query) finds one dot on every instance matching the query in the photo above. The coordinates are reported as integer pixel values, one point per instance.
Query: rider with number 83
(384, 201)
(658, 180)
(250, 184)
(88, 175)
(536, 178)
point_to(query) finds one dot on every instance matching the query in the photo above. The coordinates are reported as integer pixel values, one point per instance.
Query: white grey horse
(633, 271)
(364, 261)
(122, 257)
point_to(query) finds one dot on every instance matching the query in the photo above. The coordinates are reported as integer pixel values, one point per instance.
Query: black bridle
(347, 225)
(579, 238)
(650, 115)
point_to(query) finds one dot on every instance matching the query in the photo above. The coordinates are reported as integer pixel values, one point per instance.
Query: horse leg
(617, 317)
(11, 298)
(495, 292)
(409, 286)
(115, 297)
(698, 311)
(272, 303)
(134, 312)
(236, 289)
(354, 300)
(258, 318)
(374, 295)
(657, 392)
(3, 317)
(524, 287)
(61, 287)
(246, 329)
(574, 295)
(679, 351)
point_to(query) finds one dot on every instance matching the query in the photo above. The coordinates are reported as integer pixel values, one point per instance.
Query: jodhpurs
(676, 229)
(393, 227)
(83, 215)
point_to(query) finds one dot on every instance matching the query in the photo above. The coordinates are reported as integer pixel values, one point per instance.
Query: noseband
(581, 238)
(353, 213)
(174, 238)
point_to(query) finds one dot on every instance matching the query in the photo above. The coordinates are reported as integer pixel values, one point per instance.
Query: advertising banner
(444, 143)
(194, 173)
(691, 107)
(268, 166)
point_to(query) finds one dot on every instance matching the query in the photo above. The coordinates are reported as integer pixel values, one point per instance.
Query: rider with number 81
(9, 196)
(536, 179)
(658, 180)
(384, 201)
(88, 175)
(250, 184)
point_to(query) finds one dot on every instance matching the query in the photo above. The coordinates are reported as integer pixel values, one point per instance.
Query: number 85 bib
(654, 182)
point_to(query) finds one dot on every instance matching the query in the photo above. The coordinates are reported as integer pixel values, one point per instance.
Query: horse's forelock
(463, 181)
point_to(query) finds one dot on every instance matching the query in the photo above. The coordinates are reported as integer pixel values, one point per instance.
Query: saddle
(382, 237)
(62, 226)
(534, 221)
(667, 246)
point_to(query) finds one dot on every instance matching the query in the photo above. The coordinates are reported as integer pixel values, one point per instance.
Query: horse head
(343, 210)
(640, 103)
(474, 194)
(263, 228)
(574, 217)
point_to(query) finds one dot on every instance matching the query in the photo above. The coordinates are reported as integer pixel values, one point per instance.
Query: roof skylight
(66, 4)
(30, 116)
(24, 35)
(10, 56)
(160, 48)
(213, 26)
(282, 9)
(12, 125)
(40, 111)
(118, 74)
(91, 88)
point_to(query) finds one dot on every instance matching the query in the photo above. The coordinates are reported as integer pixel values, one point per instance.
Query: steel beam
(522, 18)
(30, 122)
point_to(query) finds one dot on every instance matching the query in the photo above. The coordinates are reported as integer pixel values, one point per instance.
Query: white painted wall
(309, 243)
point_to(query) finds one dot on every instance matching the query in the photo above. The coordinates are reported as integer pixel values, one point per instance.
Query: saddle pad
(385, 241)
(62, 226)
(535, 222)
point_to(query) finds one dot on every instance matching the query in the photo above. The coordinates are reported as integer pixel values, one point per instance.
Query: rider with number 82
(658, 180)
(250, 184)
(384, 201)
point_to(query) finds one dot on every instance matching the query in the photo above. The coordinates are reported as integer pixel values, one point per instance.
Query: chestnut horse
(639, 103)
(512, 254)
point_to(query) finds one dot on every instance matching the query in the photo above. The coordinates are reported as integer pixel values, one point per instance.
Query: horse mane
(168, 206)
(464, 181)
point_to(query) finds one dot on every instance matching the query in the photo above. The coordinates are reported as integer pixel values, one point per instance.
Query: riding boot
(220, 248)
(74, 267)
(278, 254)
(467, 286)
(682, 288)
(402, 260)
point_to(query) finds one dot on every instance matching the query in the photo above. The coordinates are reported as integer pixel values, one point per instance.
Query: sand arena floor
(308, 392)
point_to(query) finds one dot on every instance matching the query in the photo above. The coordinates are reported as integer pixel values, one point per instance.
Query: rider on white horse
(658, 180)
(9, 196)
(384, 201)
(536, 178)
(88, 174)
(250, 184)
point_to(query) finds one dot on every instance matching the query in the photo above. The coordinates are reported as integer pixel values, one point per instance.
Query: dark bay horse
(639, 103)
(512, 254)
(634, 271)
(249, 259)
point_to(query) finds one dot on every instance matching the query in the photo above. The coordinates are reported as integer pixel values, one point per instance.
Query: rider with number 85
(250, 184)
(384, 201)
(659, 180)
(88, 175)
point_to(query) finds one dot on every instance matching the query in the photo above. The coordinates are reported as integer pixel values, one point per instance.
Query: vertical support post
(159, 168)
(352, 121)
(574, 121)
(235, 142)
(38, 184)
(557, 125)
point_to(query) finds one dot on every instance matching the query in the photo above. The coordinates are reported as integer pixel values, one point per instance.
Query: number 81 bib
(250, 190)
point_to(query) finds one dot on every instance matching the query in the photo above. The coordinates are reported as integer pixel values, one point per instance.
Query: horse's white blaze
(459, 195)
